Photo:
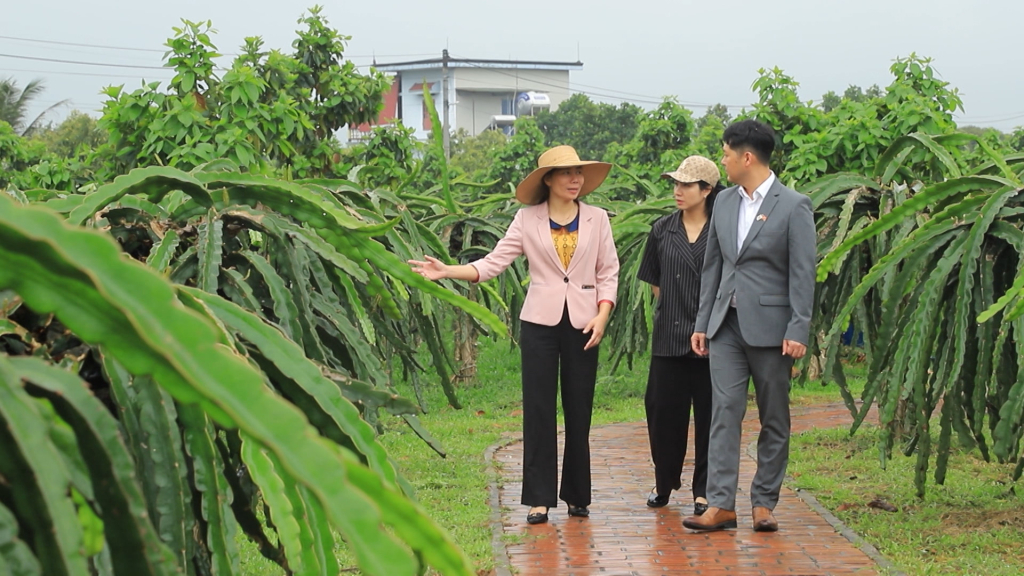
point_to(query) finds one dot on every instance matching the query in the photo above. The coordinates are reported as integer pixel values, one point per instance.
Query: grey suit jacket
(772, 274)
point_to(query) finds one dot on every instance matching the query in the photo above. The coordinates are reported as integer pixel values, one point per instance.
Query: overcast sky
(701, 52)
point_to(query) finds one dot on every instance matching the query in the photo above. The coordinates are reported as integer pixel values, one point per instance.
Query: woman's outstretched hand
(432, 269)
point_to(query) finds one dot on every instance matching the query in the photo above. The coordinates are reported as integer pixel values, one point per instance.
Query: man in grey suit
(757, 294)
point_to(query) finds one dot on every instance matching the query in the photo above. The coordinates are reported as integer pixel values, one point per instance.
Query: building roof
(475, 63)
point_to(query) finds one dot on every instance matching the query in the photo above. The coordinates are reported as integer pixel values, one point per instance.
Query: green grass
(455, 490)
(971, 525)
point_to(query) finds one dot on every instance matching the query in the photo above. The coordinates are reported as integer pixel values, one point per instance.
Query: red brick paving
(625, 537)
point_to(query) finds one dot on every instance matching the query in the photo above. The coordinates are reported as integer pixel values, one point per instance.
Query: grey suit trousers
(733, 364)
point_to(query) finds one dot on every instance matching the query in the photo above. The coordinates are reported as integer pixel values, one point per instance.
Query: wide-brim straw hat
(696, 169)
(531, 189)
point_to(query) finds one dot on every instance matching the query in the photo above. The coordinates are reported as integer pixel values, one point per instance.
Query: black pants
(547, 352)
(674, 384)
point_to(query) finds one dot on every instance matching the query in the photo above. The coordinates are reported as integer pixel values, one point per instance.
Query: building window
(427, 124)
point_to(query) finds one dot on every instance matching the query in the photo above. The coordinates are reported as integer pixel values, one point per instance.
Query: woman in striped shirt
(679, 378)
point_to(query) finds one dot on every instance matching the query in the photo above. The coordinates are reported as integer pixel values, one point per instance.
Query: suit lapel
(729, 215)
(544, 235)
(583, 232)
(767, 205)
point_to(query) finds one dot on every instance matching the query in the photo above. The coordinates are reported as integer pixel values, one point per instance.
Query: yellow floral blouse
(565, 239)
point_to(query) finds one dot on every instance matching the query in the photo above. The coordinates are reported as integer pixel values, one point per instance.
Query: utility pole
(444, 101)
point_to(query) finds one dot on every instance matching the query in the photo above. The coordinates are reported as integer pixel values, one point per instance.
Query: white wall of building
(475, 93)
(412, 101)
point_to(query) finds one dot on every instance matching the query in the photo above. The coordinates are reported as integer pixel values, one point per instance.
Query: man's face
(734, 162)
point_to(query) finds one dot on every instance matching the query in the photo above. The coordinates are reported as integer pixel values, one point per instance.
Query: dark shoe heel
(537, 518)
(579, 511)
(655, 500)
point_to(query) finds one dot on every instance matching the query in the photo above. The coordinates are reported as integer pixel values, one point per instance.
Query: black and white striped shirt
(673, 264)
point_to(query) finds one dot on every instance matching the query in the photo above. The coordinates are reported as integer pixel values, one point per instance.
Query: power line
(80, 63)
(82, 45)
(643, 99)
(165, 50)
(542, 83)
(73, 73)
(1004, 118)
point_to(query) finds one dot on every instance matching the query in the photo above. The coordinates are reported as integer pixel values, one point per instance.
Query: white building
(481, 93)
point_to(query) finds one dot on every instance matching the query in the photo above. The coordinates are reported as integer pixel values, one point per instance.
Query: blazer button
(566, 279)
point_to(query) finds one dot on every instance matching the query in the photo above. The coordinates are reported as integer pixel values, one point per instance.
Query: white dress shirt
(749, 207)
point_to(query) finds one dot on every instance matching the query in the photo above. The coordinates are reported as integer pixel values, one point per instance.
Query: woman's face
(689, 196)
(565, 183)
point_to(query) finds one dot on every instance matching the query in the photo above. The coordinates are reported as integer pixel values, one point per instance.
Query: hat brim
(530, 190)
(681, 177)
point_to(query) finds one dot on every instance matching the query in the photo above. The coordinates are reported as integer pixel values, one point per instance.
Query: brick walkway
(625, 537)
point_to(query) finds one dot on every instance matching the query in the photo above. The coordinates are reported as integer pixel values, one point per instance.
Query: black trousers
(547, 353)
(674, 384)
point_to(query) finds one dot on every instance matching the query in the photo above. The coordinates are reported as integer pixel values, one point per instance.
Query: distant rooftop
(473, 63)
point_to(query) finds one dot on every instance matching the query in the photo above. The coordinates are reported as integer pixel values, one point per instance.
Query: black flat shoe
(580, 511)
(537, 518)
(699, 508)
(656, 501)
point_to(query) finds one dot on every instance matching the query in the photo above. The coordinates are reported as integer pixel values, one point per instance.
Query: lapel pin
(762, 218)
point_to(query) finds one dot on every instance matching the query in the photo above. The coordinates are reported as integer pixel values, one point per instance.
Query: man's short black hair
(757, 137)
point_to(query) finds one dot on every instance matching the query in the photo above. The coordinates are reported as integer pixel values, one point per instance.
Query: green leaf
(208, 477)
(284, 306)
(104, 298)
(135, 547)
(922, 199)
(37, 481)
(92, 526)
(154, 181)
(166, 482)
(209, 250)
(438, 144)
(161, 254)
(16, 557)
(288, 358)
(276, 492)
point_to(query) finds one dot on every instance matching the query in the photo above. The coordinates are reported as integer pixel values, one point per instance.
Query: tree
(589, 127)
(473, 154)
(1015, 139)
(912, 256)
(76, 135)
(15, 102)
(662, 140)
(830, 101)
(269, 111)
(717, 114)
(513, 162)
(852, 136)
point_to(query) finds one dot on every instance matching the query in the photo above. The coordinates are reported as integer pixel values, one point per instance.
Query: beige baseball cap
(696, 169)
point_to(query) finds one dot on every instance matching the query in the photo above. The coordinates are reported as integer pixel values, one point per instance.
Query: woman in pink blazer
(574, 277)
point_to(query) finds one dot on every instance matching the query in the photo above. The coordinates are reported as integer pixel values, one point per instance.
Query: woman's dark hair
(545, 194)
(751, 135)
(709, 202)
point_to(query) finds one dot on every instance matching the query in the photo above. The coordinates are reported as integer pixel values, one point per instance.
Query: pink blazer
(592, 276)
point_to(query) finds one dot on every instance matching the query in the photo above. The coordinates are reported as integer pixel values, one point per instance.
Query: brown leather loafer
(764, 520)
(713, 519)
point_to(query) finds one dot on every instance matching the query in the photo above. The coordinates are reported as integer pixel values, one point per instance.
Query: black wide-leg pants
(674, 384)
(550, 352)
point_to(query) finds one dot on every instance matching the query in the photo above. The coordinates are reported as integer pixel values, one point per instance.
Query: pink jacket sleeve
(505, 252)
(607, 263)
